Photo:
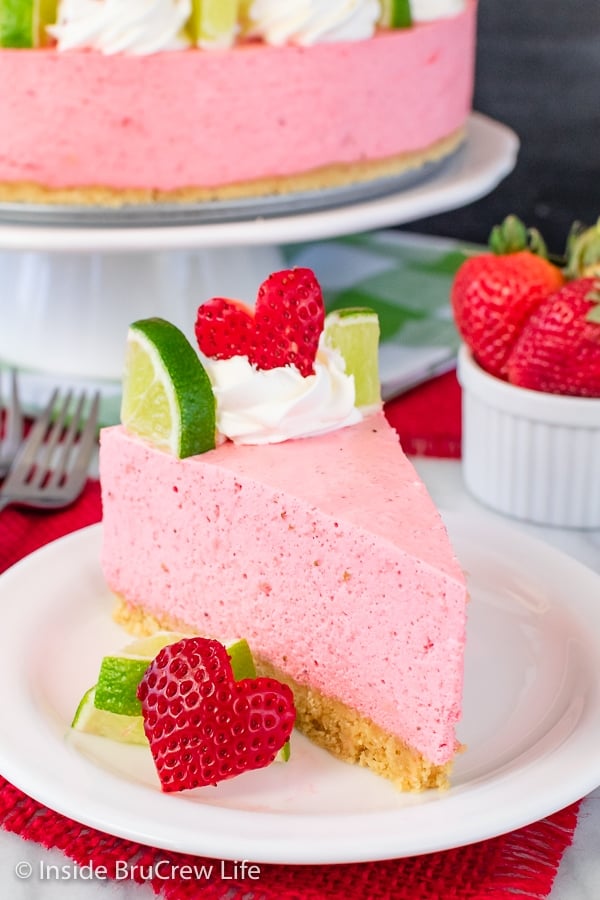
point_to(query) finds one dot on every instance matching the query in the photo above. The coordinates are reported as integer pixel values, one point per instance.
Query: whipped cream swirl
(137, 27)
(309, 22)
(269, 406)
(428, 10)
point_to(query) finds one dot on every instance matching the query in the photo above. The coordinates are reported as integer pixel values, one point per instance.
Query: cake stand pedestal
(71, 281)
(69, 312)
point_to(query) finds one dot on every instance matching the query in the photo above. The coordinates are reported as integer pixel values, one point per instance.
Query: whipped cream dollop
(113, 26)
(256, 406)
(428, 10)
(309, 22)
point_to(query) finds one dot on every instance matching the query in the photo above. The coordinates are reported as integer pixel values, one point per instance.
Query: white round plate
(531, 720)
(488, 155)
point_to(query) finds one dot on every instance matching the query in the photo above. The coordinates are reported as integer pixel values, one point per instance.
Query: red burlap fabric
(521, 864)
(428, 418)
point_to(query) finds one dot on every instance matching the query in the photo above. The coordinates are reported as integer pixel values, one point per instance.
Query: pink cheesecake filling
(193, 118)
(343, 577)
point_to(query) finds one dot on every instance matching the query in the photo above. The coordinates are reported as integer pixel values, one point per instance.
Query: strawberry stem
(536, 243)
(594, 298)
(513, 237)
(583, 251)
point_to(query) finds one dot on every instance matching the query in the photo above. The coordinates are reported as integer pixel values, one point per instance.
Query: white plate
(531, 720)
(489, 154)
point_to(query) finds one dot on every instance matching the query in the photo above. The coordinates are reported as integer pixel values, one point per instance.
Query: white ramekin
(530, 455)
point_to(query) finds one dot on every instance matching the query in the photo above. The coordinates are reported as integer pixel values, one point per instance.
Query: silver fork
(13, 425)
(52, 464)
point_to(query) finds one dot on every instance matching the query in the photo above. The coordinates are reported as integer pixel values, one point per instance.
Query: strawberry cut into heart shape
(203, 726)
(283, 329)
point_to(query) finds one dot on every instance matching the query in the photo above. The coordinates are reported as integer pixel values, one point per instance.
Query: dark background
(538, 71)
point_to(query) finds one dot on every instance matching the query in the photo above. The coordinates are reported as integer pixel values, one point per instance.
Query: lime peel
(167, 395)
(395, 14)
(116, 690)
(23, 22)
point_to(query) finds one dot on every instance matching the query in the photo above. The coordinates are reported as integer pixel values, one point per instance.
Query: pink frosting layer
(195, 118)
(326, 553)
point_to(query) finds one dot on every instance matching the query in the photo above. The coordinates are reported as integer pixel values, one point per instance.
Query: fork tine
(14, 431)
(48, 489)
(25, 458)
(66, 446)
(44, 457)
(13, 424)
(84, 450)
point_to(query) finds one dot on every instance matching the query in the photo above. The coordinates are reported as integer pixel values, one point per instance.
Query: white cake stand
(71, 281)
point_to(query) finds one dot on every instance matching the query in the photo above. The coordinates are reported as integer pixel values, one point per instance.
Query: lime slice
(355, 333)
(23, 22)
(111, 708)
(214, 23)
(118, 681)
(91, 720)
(167, 395)
(242, 662)
(395, 14)
(284, 754)
(120, 675)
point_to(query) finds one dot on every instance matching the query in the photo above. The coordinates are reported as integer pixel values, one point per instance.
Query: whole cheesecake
(254, 119)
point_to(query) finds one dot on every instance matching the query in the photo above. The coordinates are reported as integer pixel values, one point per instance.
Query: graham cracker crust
(331, 176)
(324, 720)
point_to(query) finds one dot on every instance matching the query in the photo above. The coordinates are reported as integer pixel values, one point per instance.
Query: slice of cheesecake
(328, 555)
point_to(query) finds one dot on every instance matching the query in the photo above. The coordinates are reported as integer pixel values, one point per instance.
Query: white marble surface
(579, 874)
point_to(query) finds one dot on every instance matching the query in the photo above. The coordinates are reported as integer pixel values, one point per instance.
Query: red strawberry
(493, 294)
(283, 330)
(289, 320)
(224, 328)
(204, 726)
(558, 350)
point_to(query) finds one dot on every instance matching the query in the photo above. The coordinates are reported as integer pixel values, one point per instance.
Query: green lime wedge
(214, 23)
(167, 395)
(118, 681)
(91, 720)
(354, 332)
(121, 674)
(395, 14)
(111, 708)
(23, 22)
(284, 754)
(242, 662)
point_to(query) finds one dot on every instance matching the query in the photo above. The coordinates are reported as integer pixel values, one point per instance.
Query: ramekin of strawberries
(529, 368)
